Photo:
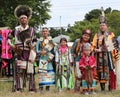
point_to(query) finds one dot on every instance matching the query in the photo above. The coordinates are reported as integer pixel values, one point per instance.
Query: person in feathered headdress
(105, 65)
(23, 47)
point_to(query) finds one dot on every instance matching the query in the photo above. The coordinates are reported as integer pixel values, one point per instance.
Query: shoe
(40, 90)
(60, 90)
(86, 93)
(93, 92)
(47, 88)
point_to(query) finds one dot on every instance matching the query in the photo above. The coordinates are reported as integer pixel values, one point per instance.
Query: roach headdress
(23, 10)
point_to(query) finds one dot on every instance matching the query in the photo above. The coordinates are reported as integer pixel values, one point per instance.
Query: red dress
(91, 61)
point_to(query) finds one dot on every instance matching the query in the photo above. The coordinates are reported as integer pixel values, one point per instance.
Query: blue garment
(0, 38)
(84, 84)
(118, 39)
(46, 71)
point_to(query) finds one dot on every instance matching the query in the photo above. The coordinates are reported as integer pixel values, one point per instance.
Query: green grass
(6, 91)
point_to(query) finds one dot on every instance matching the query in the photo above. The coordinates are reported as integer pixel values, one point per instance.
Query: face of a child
(87, 52)
(63, 43)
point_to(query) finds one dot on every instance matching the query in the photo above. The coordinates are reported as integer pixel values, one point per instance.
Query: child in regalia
(87, 66)
(63, 59)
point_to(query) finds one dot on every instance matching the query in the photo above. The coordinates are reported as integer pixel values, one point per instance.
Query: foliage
(40, 15)
(55, 32)
(91, 22)
(114, 22)
(93, 14)
(79, 26)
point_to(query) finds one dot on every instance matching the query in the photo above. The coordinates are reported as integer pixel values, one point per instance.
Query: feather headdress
(102, 18)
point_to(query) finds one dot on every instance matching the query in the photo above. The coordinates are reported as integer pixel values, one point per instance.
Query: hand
(31, 47)
(97, 50)
(42, 52)
(48, 60)
(78, 73)
(56, 63)
(17, 50)
(71, 63)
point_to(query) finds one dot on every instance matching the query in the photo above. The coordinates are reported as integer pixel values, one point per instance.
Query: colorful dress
(6, 54)
(85, 64)
(46, 70)
(64, 77)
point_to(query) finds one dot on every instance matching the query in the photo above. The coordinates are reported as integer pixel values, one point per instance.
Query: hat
(118, 39)
(87, 31)
(23, 10)
(102, 18)
(86, 46)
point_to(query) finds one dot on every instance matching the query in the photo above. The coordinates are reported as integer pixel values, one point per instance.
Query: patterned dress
(64, 77)
(91, 62)
(104, 59)
(46, 70)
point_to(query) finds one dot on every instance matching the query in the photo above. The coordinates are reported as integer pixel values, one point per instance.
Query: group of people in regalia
(78, 68)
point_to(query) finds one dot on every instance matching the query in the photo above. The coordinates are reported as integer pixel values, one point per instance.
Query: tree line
(41, 14)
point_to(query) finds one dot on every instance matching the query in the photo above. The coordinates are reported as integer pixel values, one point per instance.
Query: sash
(30, 67)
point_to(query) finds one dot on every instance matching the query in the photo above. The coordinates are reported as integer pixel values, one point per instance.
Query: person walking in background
(45, 50)
(64, 62)
(87, 66)
(24, 49)
(76, 51)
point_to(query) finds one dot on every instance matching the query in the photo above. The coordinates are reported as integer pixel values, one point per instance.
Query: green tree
(108, 10)
(40, 15)
(95, 13)
(114, 22)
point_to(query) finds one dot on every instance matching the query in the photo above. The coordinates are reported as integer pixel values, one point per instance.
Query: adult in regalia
(45, 51)
(105, 66)
(23, 47)
(76, 51)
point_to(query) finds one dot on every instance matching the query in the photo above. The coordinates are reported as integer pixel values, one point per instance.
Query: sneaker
(86, 93)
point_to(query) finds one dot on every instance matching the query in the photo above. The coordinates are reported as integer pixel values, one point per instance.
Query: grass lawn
(6, 91)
